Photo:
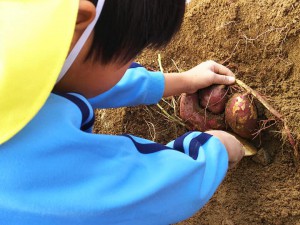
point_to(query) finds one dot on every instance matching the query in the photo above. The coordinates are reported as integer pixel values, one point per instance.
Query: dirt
(259, 41)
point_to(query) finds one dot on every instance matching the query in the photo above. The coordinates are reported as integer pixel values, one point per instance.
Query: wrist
(175, 84)
(185, 83)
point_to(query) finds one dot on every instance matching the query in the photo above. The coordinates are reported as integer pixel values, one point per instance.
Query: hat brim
(35, 38)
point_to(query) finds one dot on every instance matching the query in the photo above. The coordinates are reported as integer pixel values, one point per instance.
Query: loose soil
(259, 41)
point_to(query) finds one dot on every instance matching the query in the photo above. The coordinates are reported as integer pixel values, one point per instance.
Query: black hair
(126, 27)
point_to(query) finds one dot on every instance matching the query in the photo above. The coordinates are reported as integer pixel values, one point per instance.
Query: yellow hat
(35, 37)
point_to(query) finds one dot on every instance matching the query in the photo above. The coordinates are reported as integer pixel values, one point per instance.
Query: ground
(259, 40)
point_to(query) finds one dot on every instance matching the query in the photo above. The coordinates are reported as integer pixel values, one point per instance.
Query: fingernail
(231, 79)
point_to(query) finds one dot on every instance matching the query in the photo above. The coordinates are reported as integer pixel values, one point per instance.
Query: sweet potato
(214, 98)
(197, 118)
(241, 115)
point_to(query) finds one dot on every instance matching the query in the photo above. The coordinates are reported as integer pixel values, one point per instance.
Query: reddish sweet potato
(214, 98)
(241, 115)
(197, 118)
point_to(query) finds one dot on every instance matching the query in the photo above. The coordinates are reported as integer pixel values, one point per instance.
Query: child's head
(126, 27)
(42, 34)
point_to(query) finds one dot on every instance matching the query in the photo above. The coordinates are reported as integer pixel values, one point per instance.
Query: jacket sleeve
(104, 179)
(137, 86)
(185, 175)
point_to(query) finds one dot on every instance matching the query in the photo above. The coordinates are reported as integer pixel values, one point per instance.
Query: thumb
(222, 79)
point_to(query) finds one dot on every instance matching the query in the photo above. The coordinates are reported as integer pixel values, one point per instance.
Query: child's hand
(206, 74)
(201, 76)
(233, 146)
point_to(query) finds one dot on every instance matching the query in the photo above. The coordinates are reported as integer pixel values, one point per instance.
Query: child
(53, 169)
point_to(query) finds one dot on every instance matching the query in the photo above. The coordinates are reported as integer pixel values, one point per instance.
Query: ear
(86, 14)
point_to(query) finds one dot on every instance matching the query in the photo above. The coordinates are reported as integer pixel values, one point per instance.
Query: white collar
(77, 48)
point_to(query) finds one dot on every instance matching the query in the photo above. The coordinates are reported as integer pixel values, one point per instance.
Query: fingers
(222, 75)
(239, 154)
(222, 79)
(223, 70)
(233, 146)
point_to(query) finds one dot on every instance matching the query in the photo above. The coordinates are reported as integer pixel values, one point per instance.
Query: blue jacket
(55, 171)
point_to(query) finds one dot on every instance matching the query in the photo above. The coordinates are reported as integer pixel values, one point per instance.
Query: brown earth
(259, 41)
